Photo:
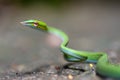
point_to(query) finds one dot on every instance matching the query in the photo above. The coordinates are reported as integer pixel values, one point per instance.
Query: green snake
(103, 66)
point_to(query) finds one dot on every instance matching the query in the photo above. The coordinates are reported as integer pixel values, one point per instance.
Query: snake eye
(36, 24)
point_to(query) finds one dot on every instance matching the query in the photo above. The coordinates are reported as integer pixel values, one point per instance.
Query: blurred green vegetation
(54, 3)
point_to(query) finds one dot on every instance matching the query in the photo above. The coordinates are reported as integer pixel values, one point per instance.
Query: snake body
(103, 66)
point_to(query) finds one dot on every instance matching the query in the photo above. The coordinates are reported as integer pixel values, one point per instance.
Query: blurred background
(92, 25)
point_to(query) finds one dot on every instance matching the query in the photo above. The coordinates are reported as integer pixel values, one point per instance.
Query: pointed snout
(23, 23)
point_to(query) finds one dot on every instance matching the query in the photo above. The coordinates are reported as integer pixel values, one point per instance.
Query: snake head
(36, 24)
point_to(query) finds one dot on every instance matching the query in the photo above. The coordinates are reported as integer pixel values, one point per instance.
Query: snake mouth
(28, 24)
(25, 23)
(22, 22)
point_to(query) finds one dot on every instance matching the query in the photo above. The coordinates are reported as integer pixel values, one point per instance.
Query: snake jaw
(25, 23)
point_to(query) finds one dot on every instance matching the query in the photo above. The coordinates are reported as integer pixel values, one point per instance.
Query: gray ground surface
(91, 25)
(53, 72)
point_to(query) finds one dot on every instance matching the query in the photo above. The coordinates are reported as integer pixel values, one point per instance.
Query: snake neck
(69, 53)
(59, 34)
